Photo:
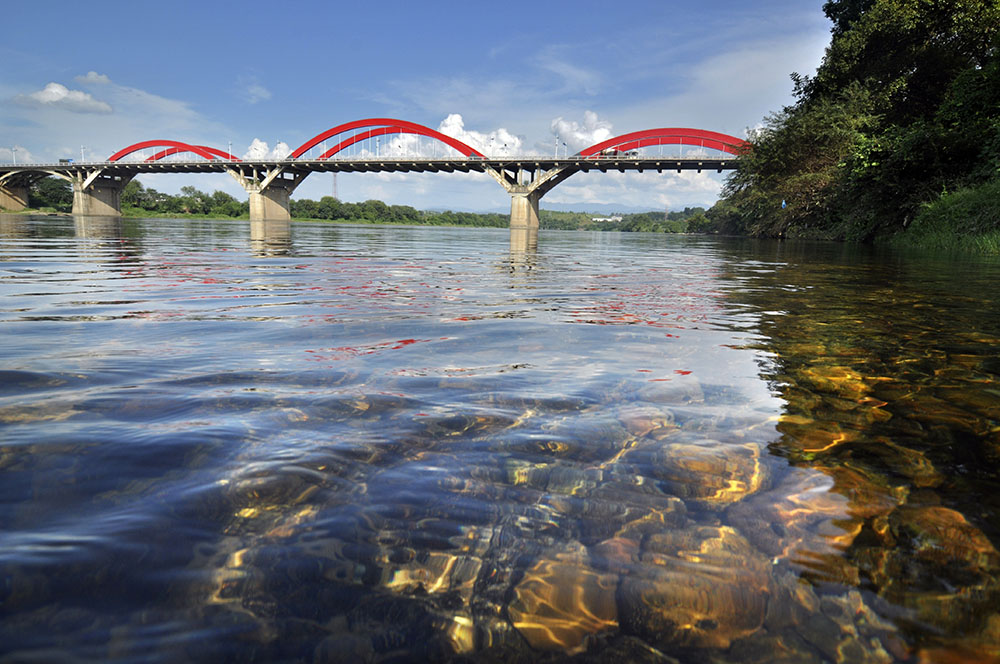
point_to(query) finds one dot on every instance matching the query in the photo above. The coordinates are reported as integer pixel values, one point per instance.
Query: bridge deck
(403, 165)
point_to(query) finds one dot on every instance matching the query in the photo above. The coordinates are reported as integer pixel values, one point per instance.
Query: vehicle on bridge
(615, 152)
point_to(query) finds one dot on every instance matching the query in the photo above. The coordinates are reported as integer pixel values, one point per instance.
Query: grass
(967, 220)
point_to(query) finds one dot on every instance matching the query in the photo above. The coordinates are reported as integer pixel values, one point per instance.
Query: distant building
(615, 218)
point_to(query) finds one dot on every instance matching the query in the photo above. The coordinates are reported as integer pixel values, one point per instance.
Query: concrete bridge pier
(524, 209)
(98, 195)
(13, 197)
(270, 191)
(526, 188)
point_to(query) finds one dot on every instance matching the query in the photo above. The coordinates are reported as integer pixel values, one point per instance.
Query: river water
(231, 442)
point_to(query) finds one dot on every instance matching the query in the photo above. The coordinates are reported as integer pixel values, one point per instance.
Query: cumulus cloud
(259, 151)
(56, 95)
(499, 142)
(580, 135)
(17, 154)
(93, 78)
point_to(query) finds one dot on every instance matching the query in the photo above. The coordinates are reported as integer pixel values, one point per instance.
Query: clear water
(311, 442)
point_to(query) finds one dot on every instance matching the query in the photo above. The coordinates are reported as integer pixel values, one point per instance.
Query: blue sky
(104, 75)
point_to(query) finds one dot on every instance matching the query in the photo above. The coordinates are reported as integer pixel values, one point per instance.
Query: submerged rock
(706, 473)
(562, 600)
(701, 587)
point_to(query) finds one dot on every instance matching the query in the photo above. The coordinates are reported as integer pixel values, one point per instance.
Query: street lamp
(13, 152)
(230, 151)
(81, 154)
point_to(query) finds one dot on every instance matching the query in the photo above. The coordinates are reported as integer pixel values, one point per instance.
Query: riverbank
(967, 220)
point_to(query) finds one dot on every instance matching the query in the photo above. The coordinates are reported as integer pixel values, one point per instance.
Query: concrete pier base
(271, 204)
(524, 210)
(526, 187)
(270, 190)
(98, 196)
(13, 197)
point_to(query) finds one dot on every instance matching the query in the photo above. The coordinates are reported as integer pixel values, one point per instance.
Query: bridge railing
(368, 158)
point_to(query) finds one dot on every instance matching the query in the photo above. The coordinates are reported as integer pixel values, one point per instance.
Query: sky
(91, 78)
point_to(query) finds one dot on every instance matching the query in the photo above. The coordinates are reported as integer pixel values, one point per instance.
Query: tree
(905, 105)
(194, 201)
(223, 204)
(51, 192)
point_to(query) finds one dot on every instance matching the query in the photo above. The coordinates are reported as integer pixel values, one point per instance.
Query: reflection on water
(523, 240)
(99, 227)
(270, 237)
(333, 443)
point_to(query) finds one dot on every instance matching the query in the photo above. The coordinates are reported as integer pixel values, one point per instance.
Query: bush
(968, 219)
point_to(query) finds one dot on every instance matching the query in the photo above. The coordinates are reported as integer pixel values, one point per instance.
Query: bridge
(97, 186)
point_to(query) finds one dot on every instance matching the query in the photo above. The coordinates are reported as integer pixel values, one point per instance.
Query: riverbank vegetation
(896, 136)
(55, 195)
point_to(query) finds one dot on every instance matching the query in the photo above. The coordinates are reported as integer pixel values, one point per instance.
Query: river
(311, 442)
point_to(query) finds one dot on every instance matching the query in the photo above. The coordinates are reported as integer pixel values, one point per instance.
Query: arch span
(379, 127)
(222, 154)
(668, 136)
(159, 143)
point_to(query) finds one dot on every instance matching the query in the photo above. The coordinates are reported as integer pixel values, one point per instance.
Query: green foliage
(51, 192)
(971, 212)
(378, 212)
(905, 105)
(139, 200)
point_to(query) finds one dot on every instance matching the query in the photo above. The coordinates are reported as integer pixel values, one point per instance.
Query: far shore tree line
(139, 201)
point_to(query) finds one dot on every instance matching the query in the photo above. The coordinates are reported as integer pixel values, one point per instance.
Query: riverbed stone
(562, 601)
(699, 587)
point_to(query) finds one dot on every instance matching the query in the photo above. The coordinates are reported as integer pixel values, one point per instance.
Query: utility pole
(335, 185)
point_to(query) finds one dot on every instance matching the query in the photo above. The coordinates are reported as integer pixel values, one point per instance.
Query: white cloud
(251, 90)
(256, 92)
(732, 89)
(574, 78)
(93, 78)
(259, 150)
(123, 115)
(580, 135)
(498, 142)
(58, 96)
(16, 153)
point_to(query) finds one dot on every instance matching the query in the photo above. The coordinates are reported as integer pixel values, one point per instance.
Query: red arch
(382, 126)
(169, 151)
(182, 147)
(669, 136)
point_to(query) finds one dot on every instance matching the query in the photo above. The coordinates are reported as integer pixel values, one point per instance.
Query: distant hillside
(599, 209)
